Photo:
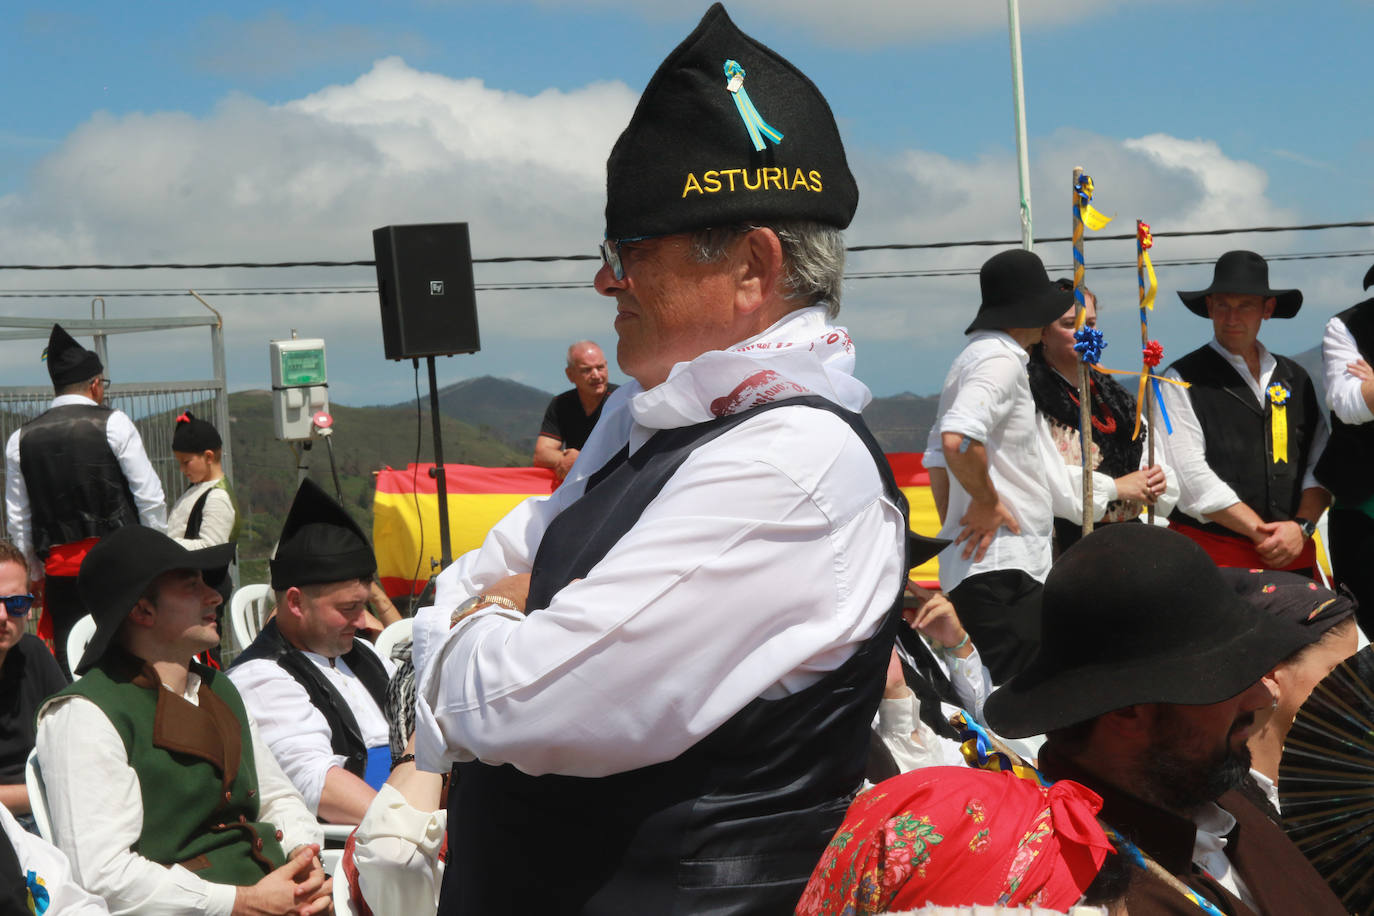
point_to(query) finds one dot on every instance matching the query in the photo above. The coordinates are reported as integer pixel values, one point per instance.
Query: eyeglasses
(610, 254)
(17, 605)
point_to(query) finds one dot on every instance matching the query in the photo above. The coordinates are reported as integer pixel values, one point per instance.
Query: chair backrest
(343, 900)
(38, 796)
(248, 608)
(392, 635)
(77, 639)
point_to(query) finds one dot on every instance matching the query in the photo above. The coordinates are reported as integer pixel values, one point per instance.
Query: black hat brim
(920, 548)
(1039, 699)
(1369, 278)
(1287, 304)
(119, 569)
(1033, 311)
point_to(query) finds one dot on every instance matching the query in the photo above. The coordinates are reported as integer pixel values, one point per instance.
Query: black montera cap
(319, 543)
(195, 435)
(68, 361)
(727, 131)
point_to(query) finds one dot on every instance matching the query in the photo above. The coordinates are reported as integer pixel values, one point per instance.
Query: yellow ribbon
(1093, 218)
(1278, 412)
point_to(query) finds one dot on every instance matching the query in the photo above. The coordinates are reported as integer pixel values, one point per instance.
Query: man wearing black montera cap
(314, 688)
(1346, 468)
(160, 790)
(1247, 434)
(997, 478)
(1148, 700)
(666, 671)
(73, 474)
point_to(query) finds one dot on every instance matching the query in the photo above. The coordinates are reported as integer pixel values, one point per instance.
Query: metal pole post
(1019, 109)
(440, 475)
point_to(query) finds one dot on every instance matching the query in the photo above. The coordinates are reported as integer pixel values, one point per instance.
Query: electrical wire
(511, 259)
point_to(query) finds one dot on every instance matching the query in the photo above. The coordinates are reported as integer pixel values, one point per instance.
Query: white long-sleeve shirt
(127, 446)
(397, 855)
(43, 863)
(1343, 393)
(763, 563)
(294, 729)
(987, 398)
(216, 521)
(96, 807)
(1201, 491)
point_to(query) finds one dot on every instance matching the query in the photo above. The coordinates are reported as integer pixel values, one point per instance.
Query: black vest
(1239, 434)
(735, 824)
(1346, 468)
(345, 738)
(76, 487)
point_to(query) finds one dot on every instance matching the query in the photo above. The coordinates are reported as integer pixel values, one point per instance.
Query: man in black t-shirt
(572, 414)
(28, 675)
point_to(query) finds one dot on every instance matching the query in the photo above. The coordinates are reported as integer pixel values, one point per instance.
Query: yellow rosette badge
(1278, 412)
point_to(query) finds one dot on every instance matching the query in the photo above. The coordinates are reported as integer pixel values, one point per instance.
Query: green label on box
(302, 367)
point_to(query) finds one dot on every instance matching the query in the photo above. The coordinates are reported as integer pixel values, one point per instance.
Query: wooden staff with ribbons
(1144, 241)
(1080, 309)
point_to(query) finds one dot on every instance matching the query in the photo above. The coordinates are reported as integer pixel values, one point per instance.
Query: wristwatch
(476, 603)
(1308, 526)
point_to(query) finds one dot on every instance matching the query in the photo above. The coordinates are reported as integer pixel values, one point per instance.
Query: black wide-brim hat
(119, 569)
(68, 361)
(689, 160)
(1243, 273)
(319, 543)
(1369, 278)
(1137, 614)
(1017, 293)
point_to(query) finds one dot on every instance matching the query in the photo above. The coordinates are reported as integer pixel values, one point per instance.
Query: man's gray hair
(812, 258)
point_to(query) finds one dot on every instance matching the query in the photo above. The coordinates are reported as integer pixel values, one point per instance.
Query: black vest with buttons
(1239, 434)
(76, 487)
(735, 824)
(1346, 467)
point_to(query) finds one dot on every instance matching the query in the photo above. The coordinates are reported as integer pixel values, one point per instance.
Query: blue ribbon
(1090, 345)
(1163, 411)
(753, 121)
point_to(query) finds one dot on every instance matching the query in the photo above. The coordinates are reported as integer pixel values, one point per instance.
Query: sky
(165, 133)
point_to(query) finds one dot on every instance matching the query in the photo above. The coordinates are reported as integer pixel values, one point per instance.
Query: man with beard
(1148, 699)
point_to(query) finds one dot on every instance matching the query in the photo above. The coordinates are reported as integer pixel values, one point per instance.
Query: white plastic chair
(77, 639)
(343, 900)
(248, 609)
(38, 796)
(392, 635)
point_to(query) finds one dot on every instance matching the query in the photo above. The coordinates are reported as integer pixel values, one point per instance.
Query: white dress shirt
(987, 398)
(127, 446)
(97, 813)
(397, 854)
(41, 861)
(763, 563)
(216, 521)
(1343, 394)
(1201, 491)
(294, 729)
(1209, 851)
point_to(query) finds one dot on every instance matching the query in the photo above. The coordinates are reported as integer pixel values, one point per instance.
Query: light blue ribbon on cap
(753, 121)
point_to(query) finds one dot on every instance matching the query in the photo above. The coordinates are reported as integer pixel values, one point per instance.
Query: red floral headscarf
(950, 836)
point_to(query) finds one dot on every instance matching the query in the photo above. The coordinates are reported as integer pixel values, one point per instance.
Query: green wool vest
(195, 768)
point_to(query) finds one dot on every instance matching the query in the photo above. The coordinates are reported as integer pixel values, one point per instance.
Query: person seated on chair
(314, 688)
(28, 675)
(159, 788)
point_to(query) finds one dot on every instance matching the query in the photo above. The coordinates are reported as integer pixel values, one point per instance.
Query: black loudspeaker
(424, 280)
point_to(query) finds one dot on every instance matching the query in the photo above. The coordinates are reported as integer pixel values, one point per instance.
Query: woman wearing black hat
(204, 515)
(1053, 371)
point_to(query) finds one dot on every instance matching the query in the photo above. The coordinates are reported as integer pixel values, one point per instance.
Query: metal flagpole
(1019, 108)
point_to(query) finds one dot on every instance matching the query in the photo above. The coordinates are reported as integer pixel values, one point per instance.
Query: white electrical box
(300, 387)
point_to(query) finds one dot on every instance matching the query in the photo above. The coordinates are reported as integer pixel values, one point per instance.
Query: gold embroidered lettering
(758, 174)
(816, 181)
(692, 185)
(799, 181)
(773, 176)
(711, 180)
(730, 173)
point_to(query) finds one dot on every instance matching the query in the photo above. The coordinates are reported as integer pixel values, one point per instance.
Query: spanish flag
(478, 497)
(914, 481)
(405, 515)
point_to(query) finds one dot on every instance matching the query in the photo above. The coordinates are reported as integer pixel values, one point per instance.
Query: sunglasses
(17, 605)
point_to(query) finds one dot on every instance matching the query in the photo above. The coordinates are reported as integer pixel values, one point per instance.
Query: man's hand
(981, 522)
(298, 888)
(937, 620)
(1143, 486)
(516, 588)
(1279, 543)
(565, 463)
